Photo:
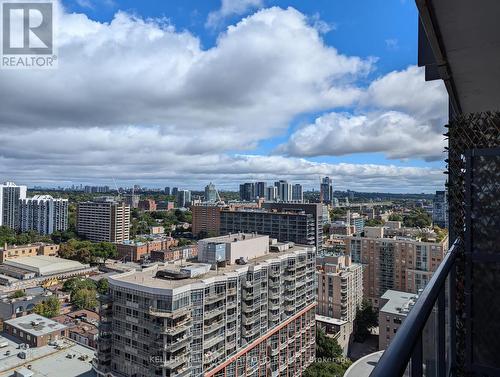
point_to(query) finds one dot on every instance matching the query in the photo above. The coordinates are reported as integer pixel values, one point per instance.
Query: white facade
(271, 193)
(43, 214)
(10, 193)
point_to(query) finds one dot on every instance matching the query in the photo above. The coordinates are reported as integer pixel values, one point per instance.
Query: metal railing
(405, 354)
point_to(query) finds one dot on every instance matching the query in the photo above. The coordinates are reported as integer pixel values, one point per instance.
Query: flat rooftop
(146, 277)
(235, 237)
(47, 360)
(399, 302)
(36, 325)
(330, 320)
(45, 265)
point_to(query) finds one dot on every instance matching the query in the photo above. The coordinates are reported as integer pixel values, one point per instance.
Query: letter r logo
(27, 28)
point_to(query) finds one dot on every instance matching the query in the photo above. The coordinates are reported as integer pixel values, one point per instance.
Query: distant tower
(326, 190)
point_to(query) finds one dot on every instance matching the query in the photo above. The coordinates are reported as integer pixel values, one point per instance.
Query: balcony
(423, 344)
(156, 312)
(214, 312)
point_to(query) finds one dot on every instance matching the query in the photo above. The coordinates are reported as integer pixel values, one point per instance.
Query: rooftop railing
(423, 344)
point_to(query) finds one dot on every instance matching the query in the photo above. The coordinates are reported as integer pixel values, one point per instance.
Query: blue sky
(366, 117)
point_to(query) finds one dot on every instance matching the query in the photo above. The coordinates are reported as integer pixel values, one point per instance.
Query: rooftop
(44, 361)
(234, 237)
(330, 320)
(45, 265)
(399, 302)
(147, 277)
(364, 366)
(36, 325)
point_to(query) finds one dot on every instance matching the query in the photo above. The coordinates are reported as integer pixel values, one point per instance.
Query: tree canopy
(366, 319)
(84, 299)
(327, 349)
(87, 251)
(417, 218)
(48, 308)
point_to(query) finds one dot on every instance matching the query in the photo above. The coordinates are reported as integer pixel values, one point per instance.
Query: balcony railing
(426, 324)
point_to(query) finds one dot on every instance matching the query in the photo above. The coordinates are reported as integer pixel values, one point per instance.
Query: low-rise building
(135, 250)
(35, 330)
(394, 307)
(175, 253)
(82, 326)
(39, 248)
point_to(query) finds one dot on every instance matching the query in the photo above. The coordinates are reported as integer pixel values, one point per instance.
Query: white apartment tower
(43, 214)
(10, 195)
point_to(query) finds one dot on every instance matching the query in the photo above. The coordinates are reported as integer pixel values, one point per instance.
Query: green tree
(104, 250)
(374, 222)
(417, 218)
(366, 319)
(74, 284)
(395, 217)
(84, 299)
(103, 286)
(327, 347)
(327, 369)
(48, 308)
(17, 294)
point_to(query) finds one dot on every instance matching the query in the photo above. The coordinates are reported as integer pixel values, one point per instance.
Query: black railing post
(441, 329)
(416, 359)
(407, 344)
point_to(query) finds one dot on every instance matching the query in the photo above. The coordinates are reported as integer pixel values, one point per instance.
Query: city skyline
(342, 98)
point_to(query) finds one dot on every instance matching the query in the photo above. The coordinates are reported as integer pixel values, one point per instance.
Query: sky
(181, 93)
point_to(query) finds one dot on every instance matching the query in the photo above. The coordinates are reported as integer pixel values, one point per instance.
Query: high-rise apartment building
(440, 209)
(10, 195)
(326, 190)
(206, 219)
(294, 222)
(271, 193)
(210, 193)
(251, 316)
(284, 190)
(340, 286)
(260, 189)
(399, 263)
(247, 191)
(43, 214)
(147, 205)
(96, 189)
(340, 290)
(167, 190)
(175, 190)
(183, 198)
(132, 200)
(297, 193)
(103, 220)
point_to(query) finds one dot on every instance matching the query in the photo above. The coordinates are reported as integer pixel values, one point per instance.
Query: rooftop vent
(172, 275)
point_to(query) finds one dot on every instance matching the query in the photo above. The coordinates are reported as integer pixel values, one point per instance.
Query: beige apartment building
(39, 248)
(103, 220)
(340, 292)
(399, 263)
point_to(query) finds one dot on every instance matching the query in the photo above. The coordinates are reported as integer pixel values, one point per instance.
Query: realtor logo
(27, 35)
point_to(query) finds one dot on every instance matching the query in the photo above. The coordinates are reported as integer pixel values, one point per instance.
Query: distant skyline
(182, 93)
